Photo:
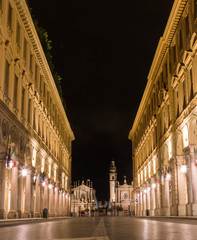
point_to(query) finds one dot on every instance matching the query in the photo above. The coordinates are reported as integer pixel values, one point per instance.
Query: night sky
(103, 51)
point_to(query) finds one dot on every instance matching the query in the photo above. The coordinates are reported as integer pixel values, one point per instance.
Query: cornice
(26, 18)
(164, 43)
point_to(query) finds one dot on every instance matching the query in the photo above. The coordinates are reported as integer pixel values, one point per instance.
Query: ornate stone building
(164, 133)
(83, 197)
(35, 135)
(121, 196)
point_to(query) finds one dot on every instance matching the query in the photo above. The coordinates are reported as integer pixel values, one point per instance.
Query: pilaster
(2, 184)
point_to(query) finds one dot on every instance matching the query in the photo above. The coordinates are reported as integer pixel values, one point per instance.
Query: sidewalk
(18, 221)
(169, 217)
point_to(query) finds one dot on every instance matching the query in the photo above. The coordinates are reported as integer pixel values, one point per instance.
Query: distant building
(121, 196)
(83, 198)
(35, 134)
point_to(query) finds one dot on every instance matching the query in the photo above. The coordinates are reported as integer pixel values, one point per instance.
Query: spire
(125, 179)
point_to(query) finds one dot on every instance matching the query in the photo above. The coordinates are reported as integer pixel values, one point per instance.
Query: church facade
(35, 134)
(121, 196)
(83, 198)
(164, 133)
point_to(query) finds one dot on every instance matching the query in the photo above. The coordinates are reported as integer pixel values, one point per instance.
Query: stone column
(60, 203)
(2, 184)
(174, 187)
(45, 196)
(158, 200)
(182, 188)
(193, 182)
(166, 196)
(28, 186)
(63, 205)
(37, 200)
(141, 202)
(14, 192)
(51, 202)
(152, 199)
(20, 192)
(56, 202)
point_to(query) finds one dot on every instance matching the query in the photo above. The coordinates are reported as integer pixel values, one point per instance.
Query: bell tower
(112, 181)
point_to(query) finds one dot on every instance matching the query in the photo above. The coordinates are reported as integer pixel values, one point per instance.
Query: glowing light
(168, 176)
(185, 136)
(148, 188)
(35, 178)
(153, 185)
(24, 172)
(11, 164)
(50, 186)
(183, 168)
(145, 191)
(43, 184)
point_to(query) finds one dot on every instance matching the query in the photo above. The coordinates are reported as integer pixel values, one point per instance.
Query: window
(39, 125)
(187, 25)
(29, 111)
(34, 119)
(191, 82)
(180, 40)
(184, 95)
(25, 49)
(10, 12)
(41, 86)
(177, 97)
(22, 102)
(174, 53)
(195, 9)
(7, 76)
(15, 91)
(18, 32)
(30, 62)
(36, 72)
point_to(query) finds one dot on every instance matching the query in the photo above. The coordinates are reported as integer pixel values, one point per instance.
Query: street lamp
(24, 172)
(183, 168)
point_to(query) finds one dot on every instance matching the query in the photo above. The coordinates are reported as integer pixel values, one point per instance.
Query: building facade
(83, 198)
(121, 196)
(35, 135)
(164, 133)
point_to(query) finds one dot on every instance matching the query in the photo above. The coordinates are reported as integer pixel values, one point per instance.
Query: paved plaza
(104, 228)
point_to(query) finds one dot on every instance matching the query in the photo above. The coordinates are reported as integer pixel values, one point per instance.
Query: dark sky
(103, 51)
